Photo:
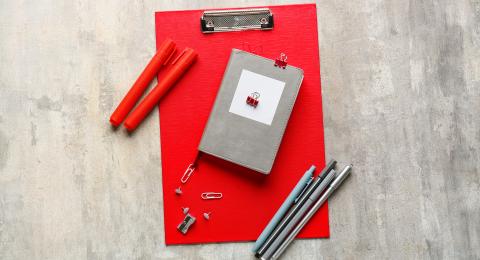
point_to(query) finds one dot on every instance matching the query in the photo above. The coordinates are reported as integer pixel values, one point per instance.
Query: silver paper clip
(211, 195)
(188, 173)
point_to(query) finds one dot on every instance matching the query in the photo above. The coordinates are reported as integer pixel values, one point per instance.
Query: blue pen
(292, 197)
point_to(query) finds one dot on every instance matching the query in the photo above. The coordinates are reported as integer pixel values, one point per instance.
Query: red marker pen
(165, 51)
(179, 67)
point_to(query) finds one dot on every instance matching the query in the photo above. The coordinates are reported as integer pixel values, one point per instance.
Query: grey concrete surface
(401, 98)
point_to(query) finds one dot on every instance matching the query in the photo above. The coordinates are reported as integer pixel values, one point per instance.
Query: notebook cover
(250, 199)
(244, 134)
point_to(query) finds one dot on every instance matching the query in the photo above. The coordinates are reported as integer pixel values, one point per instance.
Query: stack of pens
(305, 199)
(176, 69)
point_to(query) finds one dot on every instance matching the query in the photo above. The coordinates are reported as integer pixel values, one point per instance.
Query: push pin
(252, 100)
(185, 210)
(178, 191)
(206, 215)
(281, 61)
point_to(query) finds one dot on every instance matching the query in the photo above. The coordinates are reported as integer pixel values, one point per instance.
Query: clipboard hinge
(236, 20)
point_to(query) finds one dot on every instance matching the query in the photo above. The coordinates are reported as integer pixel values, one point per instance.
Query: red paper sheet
(250, 199)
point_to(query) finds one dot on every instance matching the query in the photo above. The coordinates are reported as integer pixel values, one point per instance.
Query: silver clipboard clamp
(236, 20)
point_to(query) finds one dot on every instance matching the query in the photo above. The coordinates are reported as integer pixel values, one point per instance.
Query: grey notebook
(251, 111)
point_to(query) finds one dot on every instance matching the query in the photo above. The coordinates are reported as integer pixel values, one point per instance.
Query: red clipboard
(250, 199)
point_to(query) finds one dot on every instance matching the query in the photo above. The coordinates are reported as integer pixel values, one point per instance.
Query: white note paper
(270, 91)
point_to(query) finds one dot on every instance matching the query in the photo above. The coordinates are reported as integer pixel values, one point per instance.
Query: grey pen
(306, 206)
(333, 186)
(296, 207)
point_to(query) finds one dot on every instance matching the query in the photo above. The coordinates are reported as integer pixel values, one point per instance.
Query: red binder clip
(252, 100)
(281, 61)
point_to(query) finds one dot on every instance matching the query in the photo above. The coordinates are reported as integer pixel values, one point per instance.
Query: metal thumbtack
(211, 195)
(185, 210)
(186, 223)
(188, 173)
(206, 215)
(281, 61)
(252, 100)
(178, 191)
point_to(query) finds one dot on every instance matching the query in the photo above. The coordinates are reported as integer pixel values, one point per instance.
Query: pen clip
(304, 190)
(179, 56)
(170, 57)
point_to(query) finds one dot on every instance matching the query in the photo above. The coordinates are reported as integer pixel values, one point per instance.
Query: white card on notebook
(269, 89)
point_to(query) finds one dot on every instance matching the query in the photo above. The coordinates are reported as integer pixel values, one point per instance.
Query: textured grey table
(401, 93)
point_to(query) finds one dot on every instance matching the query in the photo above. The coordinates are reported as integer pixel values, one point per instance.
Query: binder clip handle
(281, 61)
(252, 100)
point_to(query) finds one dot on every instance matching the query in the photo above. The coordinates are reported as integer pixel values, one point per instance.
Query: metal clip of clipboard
(236, 20)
